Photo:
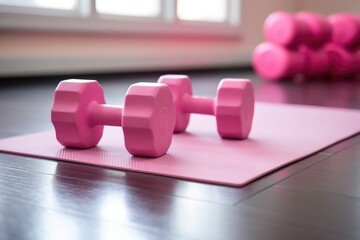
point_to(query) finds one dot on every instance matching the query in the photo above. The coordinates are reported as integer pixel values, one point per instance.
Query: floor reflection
(111, 200)
(328, 92)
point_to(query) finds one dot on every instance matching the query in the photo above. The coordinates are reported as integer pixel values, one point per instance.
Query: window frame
(85, 18)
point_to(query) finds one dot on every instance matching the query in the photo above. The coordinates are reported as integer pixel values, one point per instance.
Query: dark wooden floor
(315, 198)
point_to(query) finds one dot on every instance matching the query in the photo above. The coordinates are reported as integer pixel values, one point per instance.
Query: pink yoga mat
(281, 134)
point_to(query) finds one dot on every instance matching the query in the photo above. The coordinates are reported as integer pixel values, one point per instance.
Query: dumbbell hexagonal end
(343, 61)
(281, 28)
(319, 28)
(271, 62)
(234, 108)
(69, 113)
(345, 29)
(180, 85)
(148, 119)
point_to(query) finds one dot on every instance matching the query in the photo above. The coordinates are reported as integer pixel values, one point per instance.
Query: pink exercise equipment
(281, 134)
(274, 62)
(79, 114)
(345, 29)
(344, 62)
(291, 30)
(233, 105)
(308, 44)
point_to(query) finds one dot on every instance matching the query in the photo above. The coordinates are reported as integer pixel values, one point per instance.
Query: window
(63, 4)
(194, 17)
(215, 10)
(150, 8)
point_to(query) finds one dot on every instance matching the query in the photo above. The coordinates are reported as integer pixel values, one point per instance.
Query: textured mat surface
(281, 134)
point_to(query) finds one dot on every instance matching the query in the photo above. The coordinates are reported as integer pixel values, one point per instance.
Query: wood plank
(283, 213)
(153, 183)
(342, 145)
(337, 175)
(29, 221)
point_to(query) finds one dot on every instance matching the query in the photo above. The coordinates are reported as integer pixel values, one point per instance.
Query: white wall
(29, 53)
(327, 7)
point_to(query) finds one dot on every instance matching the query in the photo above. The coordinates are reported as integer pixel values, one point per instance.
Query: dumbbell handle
(105, 114)
(196, 104)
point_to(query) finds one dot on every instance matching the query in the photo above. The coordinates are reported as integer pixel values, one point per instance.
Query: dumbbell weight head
(317, 62)
(148, 119)
(319, 29)
(180, 86)
(234, 108)
(273, 62)
(356, 68)
(148, 116)
(69, 113)
(344, 62)
(285, 29)
(233, 105)
(345, 29)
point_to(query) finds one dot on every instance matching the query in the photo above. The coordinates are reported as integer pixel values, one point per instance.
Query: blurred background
(52, 37)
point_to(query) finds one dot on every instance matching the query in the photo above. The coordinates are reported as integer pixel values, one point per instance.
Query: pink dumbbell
(344, 62)
(345, 29)
(233, 105)
(290, 30)
(273, 62)
(79, 114)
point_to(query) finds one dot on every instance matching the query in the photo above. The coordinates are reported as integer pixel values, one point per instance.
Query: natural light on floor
(141, 8)
(202, 10)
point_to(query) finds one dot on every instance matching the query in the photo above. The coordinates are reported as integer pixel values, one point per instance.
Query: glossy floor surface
(315, 198)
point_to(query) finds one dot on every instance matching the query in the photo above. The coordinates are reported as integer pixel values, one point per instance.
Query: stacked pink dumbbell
(305, 43)
(151, 112)
(344, 48)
